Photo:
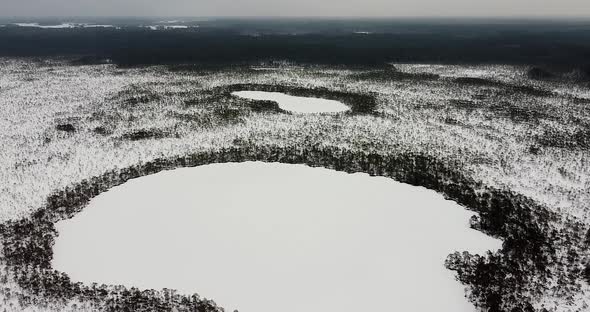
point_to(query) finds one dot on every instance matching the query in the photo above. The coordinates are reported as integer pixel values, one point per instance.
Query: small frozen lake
(296, 104)
(268, 237)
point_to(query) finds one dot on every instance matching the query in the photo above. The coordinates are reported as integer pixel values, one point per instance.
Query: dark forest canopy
(363, 42)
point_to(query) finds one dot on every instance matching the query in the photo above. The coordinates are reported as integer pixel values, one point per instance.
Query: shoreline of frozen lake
(295, 104)
(266, 237)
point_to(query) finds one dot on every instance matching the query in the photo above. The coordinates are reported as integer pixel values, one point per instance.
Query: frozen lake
(296, 104)
(268, 237)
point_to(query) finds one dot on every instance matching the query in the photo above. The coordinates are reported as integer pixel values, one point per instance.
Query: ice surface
(296, 104)
(263, 237)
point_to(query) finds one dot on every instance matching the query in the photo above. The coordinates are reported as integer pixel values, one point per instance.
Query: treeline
(499, 282)
(569, 48)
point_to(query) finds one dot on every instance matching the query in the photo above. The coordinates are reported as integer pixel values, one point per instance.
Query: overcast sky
(373, 8)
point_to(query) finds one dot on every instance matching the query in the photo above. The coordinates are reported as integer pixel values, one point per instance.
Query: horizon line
(432, 17)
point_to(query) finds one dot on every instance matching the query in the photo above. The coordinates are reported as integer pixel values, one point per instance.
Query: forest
(561, 45)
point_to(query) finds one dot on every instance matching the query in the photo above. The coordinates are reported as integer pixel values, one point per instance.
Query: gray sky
(375, 8)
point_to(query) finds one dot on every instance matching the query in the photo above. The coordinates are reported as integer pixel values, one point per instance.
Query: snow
(296, 104)
(63, 25)
(166, 27)
(98, 26)
(267, 237)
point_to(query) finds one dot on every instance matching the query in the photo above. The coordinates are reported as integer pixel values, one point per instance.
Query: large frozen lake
(296, 104)
(268, 237)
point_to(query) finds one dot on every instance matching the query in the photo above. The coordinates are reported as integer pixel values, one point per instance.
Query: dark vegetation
(134, 100)
(539, 74)
(224, 96)
(480, 82)
(90, 59)
(578, 100)
(492, 98)
(505, 87)
(468, 105)
(66, 128)
(561, 45)
(499, 282)
(582, 73)
(101, 130)
(519, 113)
(579, 74)
(503, 109)
(135, 95)
(524, 104)
(203, 69)
(392, 74)
(144, 134)
(218, 117)
(264, 106)
(215, 110)
(563, 138)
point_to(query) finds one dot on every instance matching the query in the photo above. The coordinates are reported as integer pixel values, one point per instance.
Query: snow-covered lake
(296, 104)
(267, 237)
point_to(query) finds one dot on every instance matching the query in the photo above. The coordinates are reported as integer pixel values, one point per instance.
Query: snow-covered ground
(260, 236)
(421, 116)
